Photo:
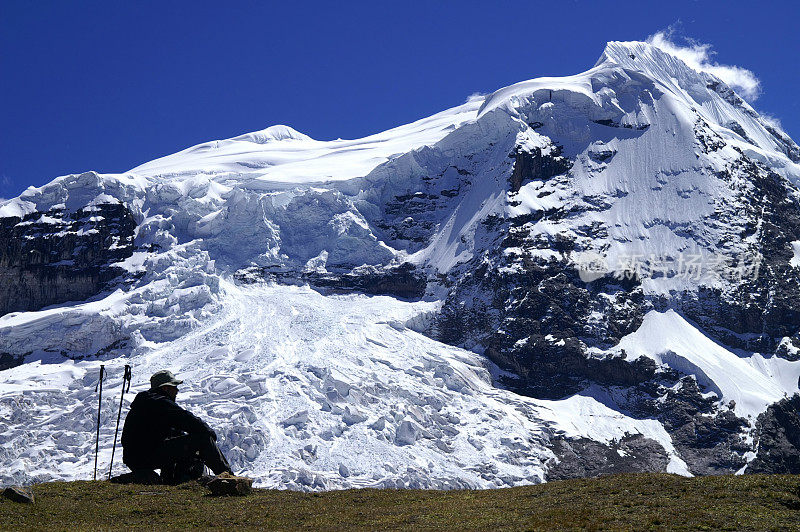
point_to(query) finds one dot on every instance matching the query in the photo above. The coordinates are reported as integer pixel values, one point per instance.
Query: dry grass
(640, 502)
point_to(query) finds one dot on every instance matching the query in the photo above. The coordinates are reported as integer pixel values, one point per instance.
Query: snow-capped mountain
(567, 277)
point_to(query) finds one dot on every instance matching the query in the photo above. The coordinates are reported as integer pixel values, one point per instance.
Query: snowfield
(312, 390)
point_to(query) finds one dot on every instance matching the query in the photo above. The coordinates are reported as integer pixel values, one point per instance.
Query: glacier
(364, 313)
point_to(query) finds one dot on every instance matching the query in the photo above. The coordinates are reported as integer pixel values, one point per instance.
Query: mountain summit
(568, 277)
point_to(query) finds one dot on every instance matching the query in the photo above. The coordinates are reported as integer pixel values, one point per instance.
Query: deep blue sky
(109, 85)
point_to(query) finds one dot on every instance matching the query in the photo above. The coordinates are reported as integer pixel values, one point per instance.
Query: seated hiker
(159, 434)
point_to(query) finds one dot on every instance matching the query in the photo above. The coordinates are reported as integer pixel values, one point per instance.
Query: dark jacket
(153, 418)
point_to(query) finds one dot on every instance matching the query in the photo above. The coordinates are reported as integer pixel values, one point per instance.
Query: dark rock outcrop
(708, 438)
(9, 361)
(19, 494)
(534, 164)
(53, 257)
(581, 457)
(778, 432)
(403, 280)
(227, 484)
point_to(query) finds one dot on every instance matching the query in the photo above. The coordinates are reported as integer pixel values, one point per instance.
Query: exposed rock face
(580, 458)
(709, 438)
(9, 361)
(54, 256)
(524, 303)
(761, 310)
(535, 165)
(779, 439)
(403, 281)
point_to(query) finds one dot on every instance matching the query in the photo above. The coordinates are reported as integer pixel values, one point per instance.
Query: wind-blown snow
(698, 56)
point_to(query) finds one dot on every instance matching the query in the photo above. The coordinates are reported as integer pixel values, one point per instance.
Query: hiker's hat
(163, 378)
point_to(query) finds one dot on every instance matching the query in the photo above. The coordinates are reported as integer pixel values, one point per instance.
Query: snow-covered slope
(338, 308)
(280, 155)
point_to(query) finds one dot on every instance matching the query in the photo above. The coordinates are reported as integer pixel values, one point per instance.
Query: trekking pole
(99, 405)
(126, 378)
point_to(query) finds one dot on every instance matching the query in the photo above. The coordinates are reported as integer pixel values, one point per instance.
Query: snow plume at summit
(699, 56)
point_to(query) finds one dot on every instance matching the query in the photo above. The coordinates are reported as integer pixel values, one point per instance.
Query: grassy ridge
(646, 501)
